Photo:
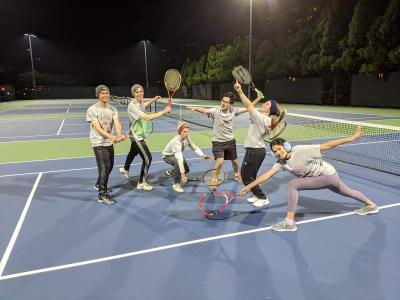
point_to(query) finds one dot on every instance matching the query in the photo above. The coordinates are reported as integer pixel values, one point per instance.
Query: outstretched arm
(199, 109)
(334, 143)
(147, 103)
(156, 115)
(267, 175)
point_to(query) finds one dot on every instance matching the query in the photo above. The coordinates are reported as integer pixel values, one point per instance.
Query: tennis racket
(140, 128)
(213, 203)
(242, 75)
(278, 126)
(172, 82)
(213, 178)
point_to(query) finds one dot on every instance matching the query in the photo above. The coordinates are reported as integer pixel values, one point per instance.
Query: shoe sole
(143, 189)
(280, 230)
(266, 204)
(367, 213)
(106, 202)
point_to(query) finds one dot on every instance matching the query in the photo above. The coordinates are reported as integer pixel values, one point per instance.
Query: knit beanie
(101, 88)
(182, 126)
(135, 87)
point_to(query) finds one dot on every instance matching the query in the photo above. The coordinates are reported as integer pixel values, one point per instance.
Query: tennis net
(378, 148)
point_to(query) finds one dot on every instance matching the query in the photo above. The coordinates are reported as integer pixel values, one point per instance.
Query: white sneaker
(124, 173)
(177, 188)
(144, 186)
(261, 202)
(252, 199)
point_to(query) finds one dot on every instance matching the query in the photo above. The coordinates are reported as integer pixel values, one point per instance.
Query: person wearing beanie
(260, 123)
(223, 140)
(173, 155)
(102, 117)
(137, 110)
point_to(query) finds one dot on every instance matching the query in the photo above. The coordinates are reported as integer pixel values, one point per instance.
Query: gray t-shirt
(105, 116)
(135, 109)
(306, 161)
(259, 126)
(223, 123)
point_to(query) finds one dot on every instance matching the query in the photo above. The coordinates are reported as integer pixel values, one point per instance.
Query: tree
(365, 12)
(383, 42)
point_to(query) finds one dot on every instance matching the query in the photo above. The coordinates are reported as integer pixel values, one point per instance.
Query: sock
(289, 221)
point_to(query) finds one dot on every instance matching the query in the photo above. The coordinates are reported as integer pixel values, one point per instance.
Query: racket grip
(258, 91)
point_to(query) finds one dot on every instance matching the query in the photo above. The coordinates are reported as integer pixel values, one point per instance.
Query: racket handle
(258, 91)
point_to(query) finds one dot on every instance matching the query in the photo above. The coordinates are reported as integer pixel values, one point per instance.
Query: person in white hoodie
(173, 155)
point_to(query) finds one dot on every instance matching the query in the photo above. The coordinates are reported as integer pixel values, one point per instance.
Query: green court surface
(17, 151)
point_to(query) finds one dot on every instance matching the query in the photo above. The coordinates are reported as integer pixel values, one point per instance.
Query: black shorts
(225, 150)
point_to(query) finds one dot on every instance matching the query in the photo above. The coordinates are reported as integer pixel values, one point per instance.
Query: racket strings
(214, 177)
(212, 203)
(242, 75)
(172, 80)
(142, 127)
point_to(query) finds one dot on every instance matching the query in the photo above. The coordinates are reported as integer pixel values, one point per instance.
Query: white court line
(59, 129)
(89, 168)
(18, 227)
(171, 246)
(39, 135)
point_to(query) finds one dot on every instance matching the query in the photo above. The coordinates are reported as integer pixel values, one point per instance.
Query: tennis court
(58, 242)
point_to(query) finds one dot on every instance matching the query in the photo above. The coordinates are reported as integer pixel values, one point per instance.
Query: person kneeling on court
(173, 155)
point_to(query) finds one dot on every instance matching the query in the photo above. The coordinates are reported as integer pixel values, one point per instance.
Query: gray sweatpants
(331, 182)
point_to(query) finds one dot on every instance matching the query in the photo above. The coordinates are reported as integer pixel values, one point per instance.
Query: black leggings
(139, 147)
(105, 163)
(251, 164)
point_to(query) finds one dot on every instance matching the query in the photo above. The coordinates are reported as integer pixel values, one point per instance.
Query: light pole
(145, 62)
(250, 40)
(29, 35)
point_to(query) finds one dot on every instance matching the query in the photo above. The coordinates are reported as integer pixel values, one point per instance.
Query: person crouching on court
(173, 155)
(102, 116)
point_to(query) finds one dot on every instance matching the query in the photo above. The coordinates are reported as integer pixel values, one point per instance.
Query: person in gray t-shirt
(102, 118)
(260, 122)
(137, 110)
(223, 140)
(305, 162)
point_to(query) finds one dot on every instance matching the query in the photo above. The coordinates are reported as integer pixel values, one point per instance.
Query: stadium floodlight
(29, 35)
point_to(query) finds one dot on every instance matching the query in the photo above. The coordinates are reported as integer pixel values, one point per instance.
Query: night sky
(86, 38)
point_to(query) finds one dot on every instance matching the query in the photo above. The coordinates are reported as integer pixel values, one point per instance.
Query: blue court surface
(58, 242)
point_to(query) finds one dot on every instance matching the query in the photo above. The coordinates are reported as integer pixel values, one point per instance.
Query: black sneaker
(96, 187)
(105, 198)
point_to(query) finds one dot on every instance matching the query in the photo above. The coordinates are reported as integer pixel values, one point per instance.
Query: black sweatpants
(176, 173)
(139, 147)
(252, 161)
(105, 163)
